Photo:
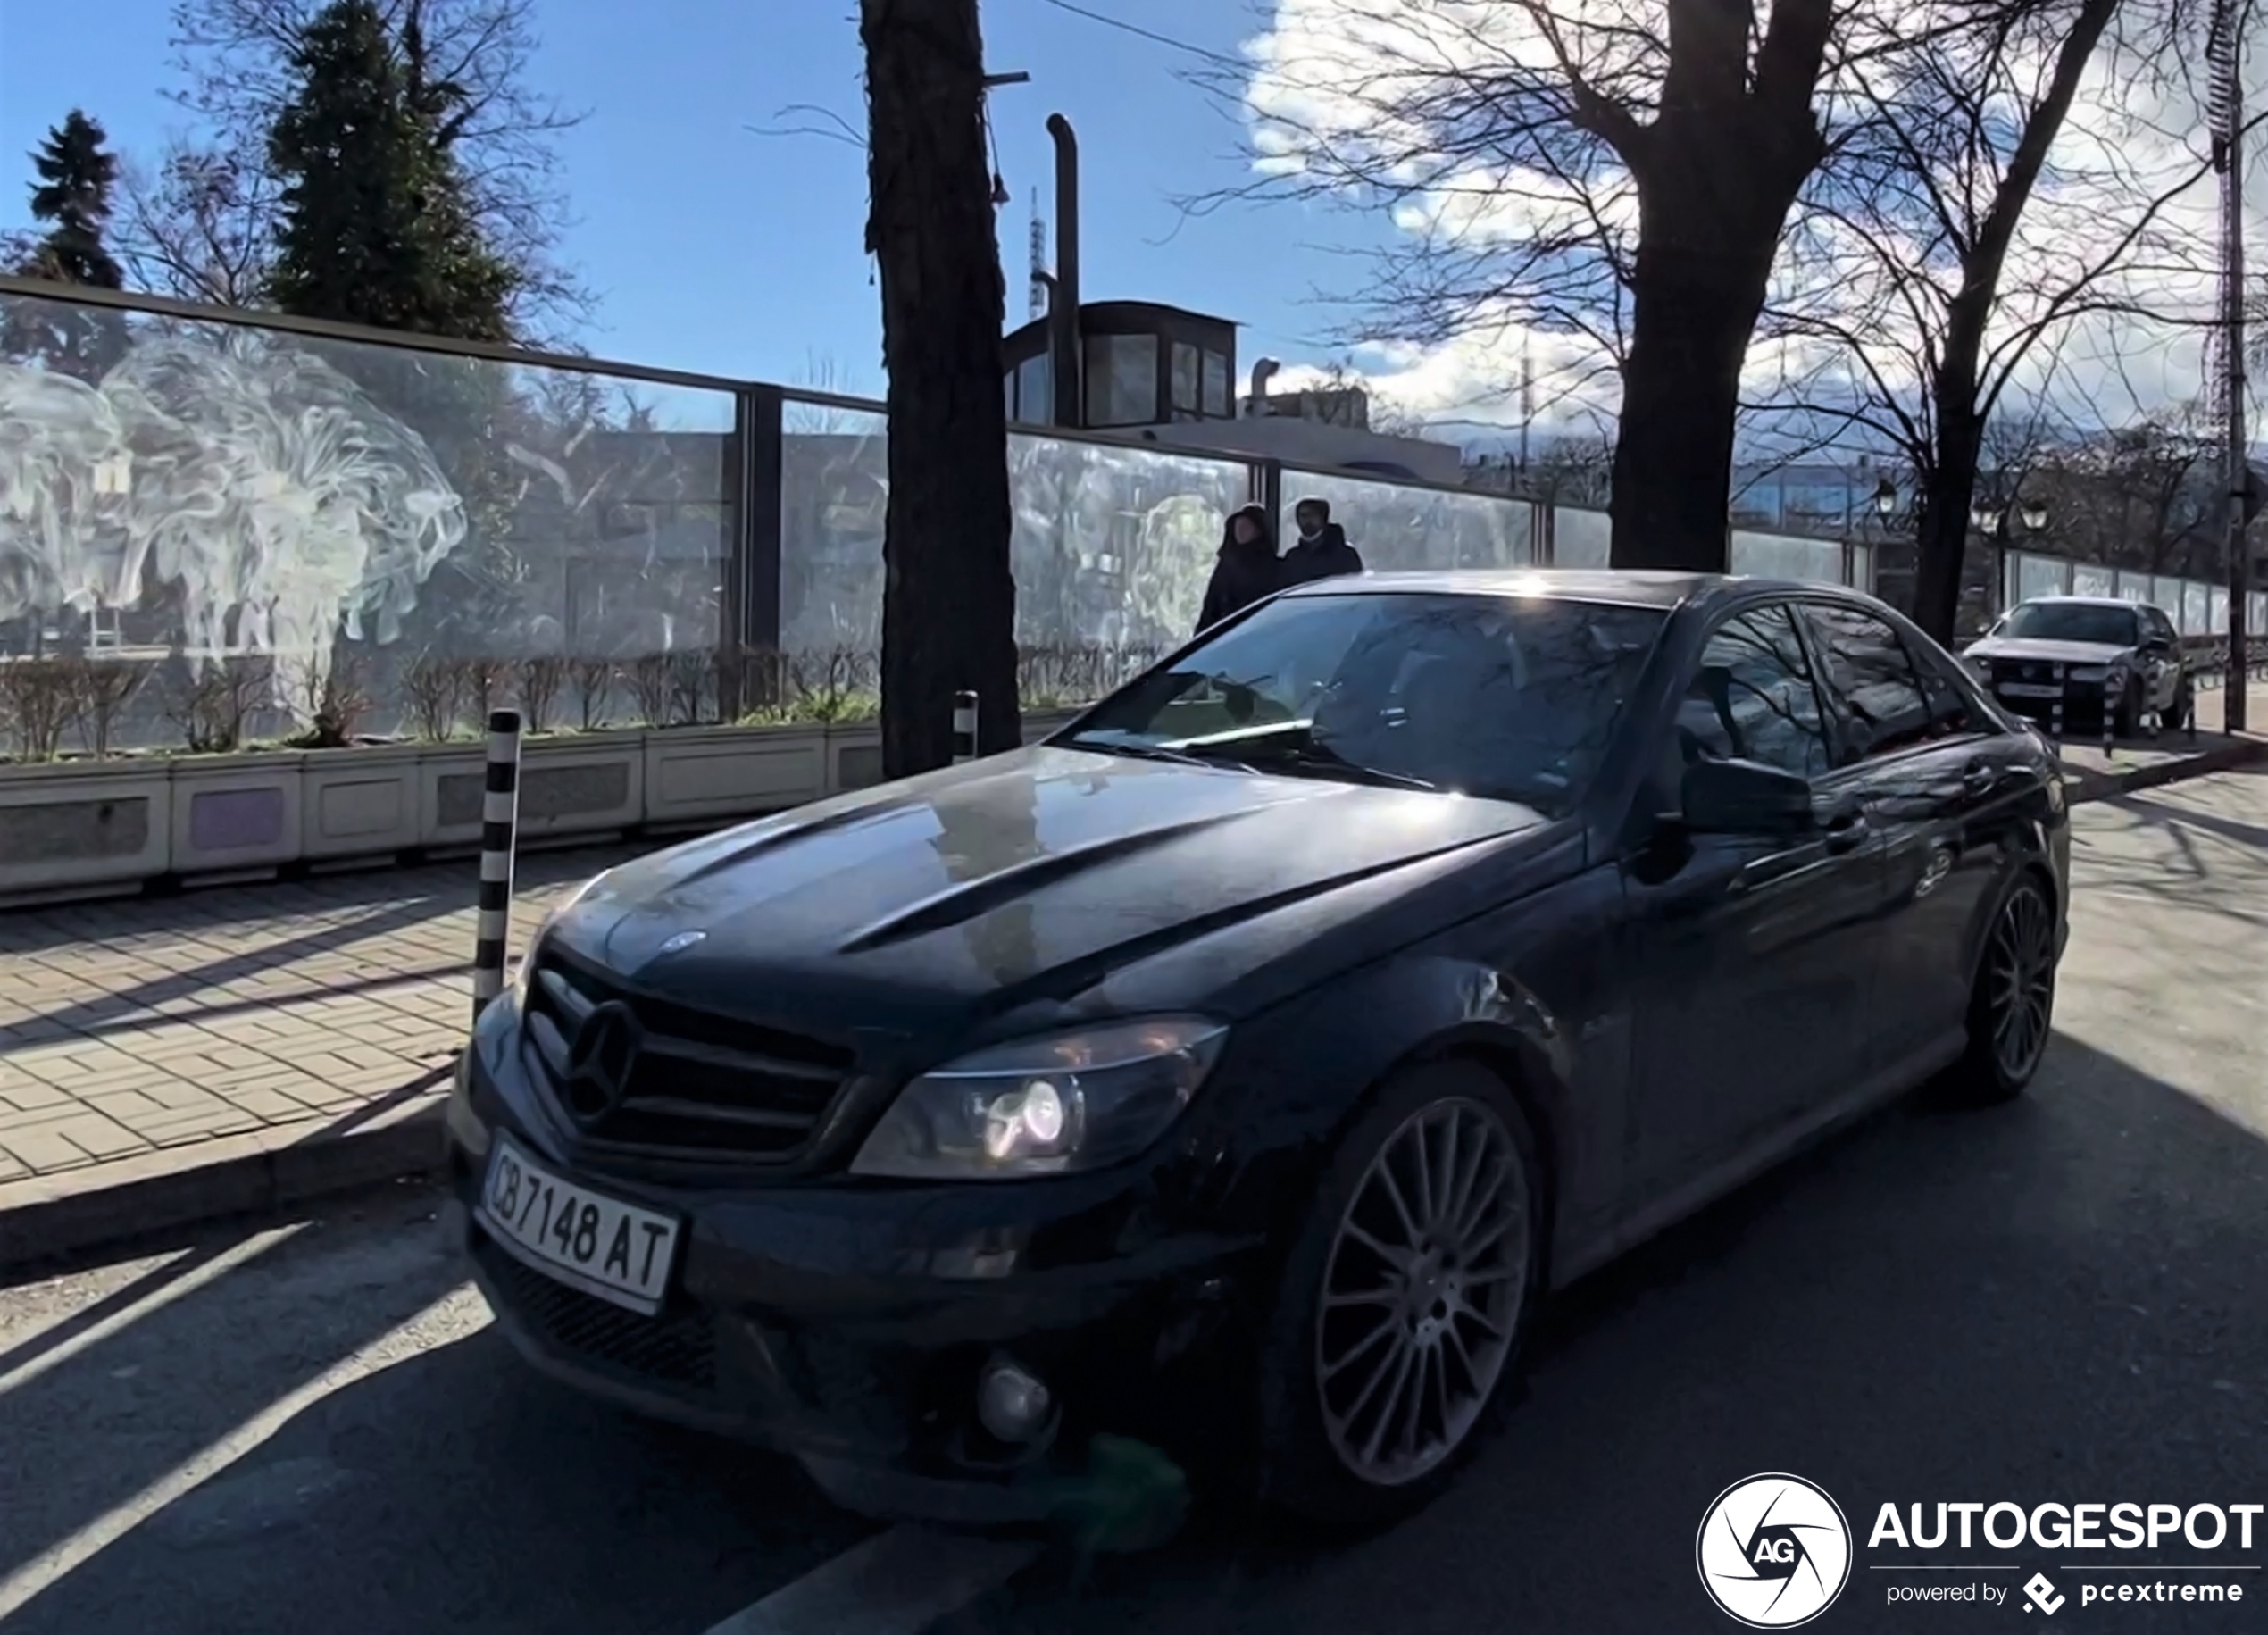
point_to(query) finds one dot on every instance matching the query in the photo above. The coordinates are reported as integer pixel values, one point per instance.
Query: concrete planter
(86, 826)
(360, 801)
(88, 829)
(238, 813)
(698, 775)
(584, 783)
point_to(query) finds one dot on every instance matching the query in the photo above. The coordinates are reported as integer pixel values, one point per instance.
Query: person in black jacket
(1323, 550)
(1248, 568)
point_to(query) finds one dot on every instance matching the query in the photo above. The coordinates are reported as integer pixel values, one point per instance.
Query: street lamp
(1886, 500)
(1991, 519)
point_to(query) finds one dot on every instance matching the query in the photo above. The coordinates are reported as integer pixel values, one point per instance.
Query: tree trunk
(949, 599)
(1716, 174)
(1672, 487)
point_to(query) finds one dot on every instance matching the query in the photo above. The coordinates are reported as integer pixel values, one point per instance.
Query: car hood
(1030, 874)
(2041, 651)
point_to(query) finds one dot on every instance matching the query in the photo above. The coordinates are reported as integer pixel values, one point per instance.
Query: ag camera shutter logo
(1773, 1551)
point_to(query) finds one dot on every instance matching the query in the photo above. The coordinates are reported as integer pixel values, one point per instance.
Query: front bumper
(846, 1323)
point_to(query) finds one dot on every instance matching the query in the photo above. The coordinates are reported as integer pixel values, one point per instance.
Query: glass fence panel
(2216, 622)
(1580, 538)
(1862, 566)
(253, 517)
(1398, 527)
(2165, 596)
(2039, 576)
(2256, 614)
(2133, 587)
(834, 483)
(2197, 608)
(1787, 556)
(2090, 581)
(1114, 547)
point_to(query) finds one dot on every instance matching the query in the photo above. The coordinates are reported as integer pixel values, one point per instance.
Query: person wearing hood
(1248, 568)
(1323, 550)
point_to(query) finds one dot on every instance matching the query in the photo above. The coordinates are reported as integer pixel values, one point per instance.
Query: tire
(1331, 1459)
(2011, 1005)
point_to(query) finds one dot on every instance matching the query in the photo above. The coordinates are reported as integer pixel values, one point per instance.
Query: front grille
(674, 1348)
(699, 1086)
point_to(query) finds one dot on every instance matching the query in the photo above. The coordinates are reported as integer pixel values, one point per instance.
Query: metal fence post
(499, 838)
(964, 728)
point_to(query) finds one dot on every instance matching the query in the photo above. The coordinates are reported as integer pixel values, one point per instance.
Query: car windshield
(1503, 698)
(2088, 621)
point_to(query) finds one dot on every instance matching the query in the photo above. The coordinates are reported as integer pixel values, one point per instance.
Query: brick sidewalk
(151, 1025)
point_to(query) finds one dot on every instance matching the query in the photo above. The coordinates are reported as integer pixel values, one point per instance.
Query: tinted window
(2155, 623)
(1751, 699)
(1871, 682)
(2094, 622)
(1513, 699)
(1952, 705)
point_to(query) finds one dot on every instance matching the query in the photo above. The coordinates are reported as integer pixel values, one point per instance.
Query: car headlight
(1049, 1106)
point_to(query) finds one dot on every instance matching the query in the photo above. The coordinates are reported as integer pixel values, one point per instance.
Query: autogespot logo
(1773, 1551)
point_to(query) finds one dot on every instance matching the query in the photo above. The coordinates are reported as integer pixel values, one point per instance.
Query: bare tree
(2144, 497)
(1615, 170)
(197, 227)
(1970, 229)
(236, 56)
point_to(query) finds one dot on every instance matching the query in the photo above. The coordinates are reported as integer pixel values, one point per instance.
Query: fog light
(1013, 1404)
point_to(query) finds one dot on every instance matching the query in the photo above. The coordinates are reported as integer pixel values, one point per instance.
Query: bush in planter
(332, 701)
(540, 679)
(433, 696)
(213, 704)
(40, 700)
(106, 686)
(593, 681)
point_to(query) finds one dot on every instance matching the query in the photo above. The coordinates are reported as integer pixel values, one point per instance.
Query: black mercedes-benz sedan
(1240, 1069)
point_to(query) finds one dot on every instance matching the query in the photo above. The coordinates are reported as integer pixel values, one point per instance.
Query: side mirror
(1745, 797)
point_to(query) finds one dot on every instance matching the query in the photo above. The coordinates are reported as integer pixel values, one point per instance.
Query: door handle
(1981, 779)
(1845, 833)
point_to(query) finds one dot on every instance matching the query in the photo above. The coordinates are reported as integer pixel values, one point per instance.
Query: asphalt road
(312, 1428)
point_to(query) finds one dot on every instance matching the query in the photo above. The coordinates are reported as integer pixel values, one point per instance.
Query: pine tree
(375, 228)
(76, 172)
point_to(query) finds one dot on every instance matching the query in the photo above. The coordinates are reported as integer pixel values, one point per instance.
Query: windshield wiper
(1150, 752)
(1312, 757)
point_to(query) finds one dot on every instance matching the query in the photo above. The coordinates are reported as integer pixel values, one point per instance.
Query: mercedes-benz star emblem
(599, 1063)
(683, 940)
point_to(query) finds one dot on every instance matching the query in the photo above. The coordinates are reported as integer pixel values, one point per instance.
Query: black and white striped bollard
(499, 838)
(2055, 710)
(2110, 722)
(964, 728)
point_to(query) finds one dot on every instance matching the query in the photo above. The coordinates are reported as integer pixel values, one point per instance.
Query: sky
(720, 251)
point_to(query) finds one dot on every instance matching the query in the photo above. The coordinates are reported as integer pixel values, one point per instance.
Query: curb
(2104, 785)
(49, 1217)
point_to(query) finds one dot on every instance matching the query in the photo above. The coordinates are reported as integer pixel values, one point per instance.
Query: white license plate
(596, 1243)
(2030, 689)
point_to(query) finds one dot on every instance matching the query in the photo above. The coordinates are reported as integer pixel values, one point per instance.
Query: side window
(1871, 682)
(1953, 709)
(2155, 624)
(1751, 699)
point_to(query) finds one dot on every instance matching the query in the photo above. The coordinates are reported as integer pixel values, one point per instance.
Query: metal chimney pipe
(1065, 347)
(1264, 370)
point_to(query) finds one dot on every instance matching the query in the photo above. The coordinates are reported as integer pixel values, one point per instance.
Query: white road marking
(898, 1582)
(396, 1345)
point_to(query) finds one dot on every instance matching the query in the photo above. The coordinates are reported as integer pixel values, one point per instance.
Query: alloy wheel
(2020, 982)
(1422, 1292)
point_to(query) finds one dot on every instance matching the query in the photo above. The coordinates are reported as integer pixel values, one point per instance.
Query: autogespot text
(2006, 1526)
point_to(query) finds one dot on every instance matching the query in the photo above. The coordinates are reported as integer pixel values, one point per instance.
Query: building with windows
(1168, 375)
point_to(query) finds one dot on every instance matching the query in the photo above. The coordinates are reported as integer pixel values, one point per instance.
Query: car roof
(1632, 586)
(2081, 601)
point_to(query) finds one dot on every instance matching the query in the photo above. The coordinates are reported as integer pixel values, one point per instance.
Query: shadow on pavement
(2055, 1300)
(443, 1487)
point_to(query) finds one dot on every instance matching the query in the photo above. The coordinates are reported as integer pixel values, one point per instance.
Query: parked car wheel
(2012, 1008)
(1405, 1301)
